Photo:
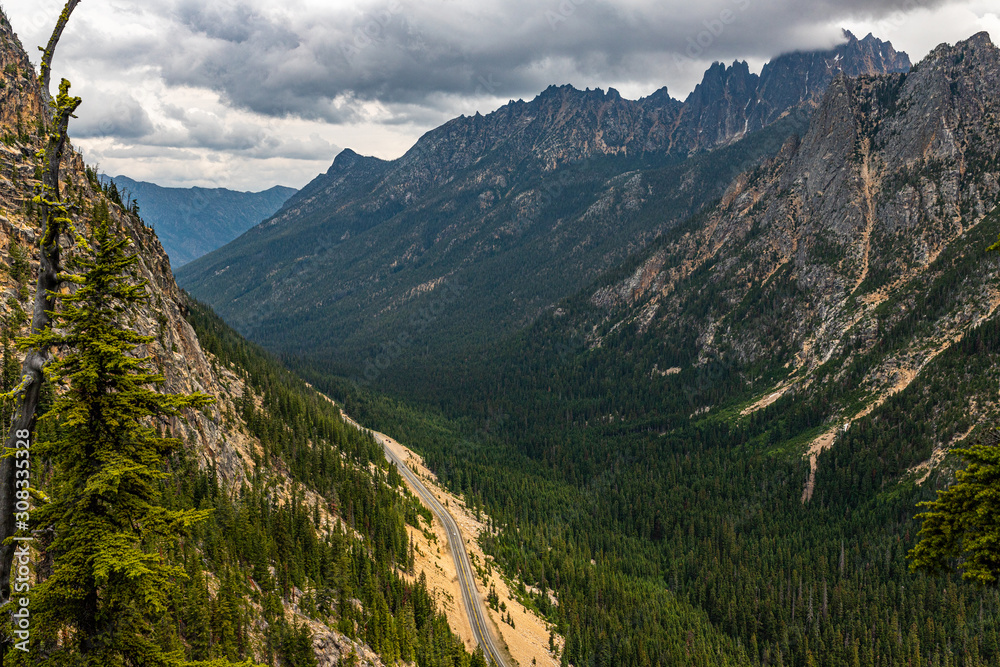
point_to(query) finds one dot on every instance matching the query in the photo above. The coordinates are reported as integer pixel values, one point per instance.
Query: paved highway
(466, 579)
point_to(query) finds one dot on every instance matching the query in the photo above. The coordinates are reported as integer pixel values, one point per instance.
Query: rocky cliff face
(217, 436)
(893, 169)
(176, 349)
(19, 100)
(855, 252)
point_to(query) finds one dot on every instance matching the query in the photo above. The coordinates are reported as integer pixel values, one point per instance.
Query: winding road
(466, 578)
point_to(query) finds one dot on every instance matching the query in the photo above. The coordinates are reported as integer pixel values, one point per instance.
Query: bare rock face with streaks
(176, 351)
(333, 648)
(855, 230)
(19, 99)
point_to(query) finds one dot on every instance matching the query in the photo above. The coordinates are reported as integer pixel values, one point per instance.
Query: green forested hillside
(345, 574)
(582, 454)
(472, 272)
(333, 541)
(705, 521)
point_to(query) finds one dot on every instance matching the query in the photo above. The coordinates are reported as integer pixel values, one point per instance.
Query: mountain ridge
(488, 187)
(191, 222)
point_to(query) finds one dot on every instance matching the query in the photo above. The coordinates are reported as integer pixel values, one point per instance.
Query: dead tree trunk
(56, 222)
(45, 74)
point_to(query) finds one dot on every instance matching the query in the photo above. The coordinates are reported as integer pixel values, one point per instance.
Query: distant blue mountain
(191, 222)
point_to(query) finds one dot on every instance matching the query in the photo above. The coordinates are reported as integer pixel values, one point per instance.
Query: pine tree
(962, 521)
(57, 223)
(109, 581)
(196, 612)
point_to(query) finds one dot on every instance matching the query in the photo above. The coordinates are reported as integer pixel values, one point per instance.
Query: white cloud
(248, 93)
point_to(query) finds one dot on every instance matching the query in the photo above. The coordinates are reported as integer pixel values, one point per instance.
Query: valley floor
(528, 640)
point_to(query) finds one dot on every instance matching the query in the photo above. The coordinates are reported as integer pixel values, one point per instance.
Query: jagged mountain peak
(719, 75)
(869, 55)
(981, 38)
(800, 78)
(658, 96)
(569, 91)
(348, 159)
(867, 39)
(980, 43)
(721, 102)
(728, 103)
(487, 176)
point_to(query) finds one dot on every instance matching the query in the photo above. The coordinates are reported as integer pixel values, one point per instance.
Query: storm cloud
(320, 61)
(259, 80)
(121, 117)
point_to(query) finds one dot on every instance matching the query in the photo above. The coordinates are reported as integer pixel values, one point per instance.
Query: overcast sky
(247, 94)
